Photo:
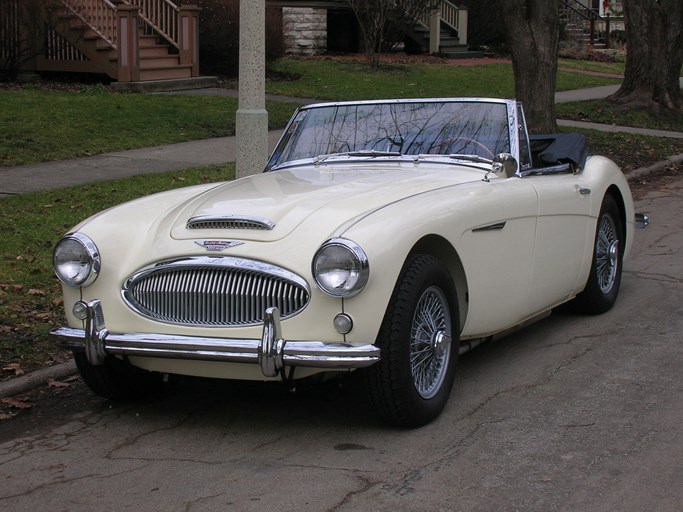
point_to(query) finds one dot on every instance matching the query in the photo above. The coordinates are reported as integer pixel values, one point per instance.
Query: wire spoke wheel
(419, 339)
(604, 279)
(430, 342)
(606, 254)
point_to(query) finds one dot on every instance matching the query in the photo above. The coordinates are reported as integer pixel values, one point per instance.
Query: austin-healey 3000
(384, 237)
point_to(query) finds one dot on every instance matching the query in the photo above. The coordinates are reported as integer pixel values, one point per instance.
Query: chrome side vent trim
(230, 222)
(214, 292)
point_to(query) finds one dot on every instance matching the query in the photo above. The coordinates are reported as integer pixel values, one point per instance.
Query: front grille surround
(214, 291)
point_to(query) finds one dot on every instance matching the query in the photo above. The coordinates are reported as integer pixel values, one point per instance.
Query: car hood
(269, 206)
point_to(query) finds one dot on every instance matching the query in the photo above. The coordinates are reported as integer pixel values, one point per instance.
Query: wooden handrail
(98, 15)
(160, 15)
(580, 14)
(450, 14)
(581, 10)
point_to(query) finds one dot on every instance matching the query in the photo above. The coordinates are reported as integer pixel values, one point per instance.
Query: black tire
(117, 379)
(604, 280)
(399, 391)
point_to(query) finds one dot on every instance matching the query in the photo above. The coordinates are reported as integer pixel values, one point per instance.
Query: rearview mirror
(504, 165)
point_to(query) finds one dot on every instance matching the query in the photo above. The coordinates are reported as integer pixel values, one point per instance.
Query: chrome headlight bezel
(87, 261)
(340, 268)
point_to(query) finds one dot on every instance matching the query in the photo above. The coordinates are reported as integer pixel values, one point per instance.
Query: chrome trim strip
(271, 352)
(491, 227)
(229, 222)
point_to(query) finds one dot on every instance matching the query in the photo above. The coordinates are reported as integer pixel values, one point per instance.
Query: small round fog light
(343, 323)
(80, 310)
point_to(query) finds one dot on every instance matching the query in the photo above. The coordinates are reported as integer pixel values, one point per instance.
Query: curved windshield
(398, 128)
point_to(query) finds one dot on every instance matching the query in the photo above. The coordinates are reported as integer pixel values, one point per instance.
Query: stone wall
(304, 30)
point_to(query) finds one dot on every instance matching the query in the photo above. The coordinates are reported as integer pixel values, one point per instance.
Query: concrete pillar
(252, 118)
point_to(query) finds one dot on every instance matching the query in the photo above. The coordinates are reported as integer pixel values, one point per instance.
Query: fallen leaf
(4, 416)
(14, 367)
(34, 291)
(15, 402)
(56, 384)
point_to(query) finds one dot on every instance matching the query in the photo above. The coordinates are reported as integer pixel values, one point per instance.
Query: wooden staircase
(584, 25)
(128, 40)
(444, 32)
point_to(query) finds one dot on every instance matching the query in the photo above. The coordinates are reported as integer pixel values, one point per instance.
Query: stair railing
(574, 12)
(98, 15)
(456, 18)
(162, 16)
(452, 16)
(177, 24)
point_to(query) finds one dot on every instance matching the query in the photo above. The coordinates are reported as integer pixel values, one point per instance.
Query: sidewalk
(109, 166)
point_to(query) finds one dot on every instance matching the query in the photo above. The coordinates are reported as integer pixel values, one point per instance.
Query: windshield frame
(515, 125)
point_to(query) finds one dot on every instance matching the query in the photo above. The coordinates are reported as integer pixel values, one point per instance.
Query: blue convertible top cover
(559, 148)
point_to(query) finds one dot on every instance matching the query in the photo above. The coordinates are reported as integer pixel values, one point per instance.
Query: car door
(562, 238)
(497, 253)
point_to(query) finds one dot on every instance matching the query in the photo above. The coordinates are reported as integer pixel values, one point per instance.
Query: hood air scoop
(230, 222)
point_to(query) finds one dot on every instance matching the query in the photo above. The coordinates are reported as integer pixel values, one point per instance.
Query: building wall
(304, 30)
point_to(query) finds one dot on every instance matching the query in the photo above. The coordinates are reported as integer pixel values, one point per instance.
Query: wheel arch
(441, 249)
(618, 197)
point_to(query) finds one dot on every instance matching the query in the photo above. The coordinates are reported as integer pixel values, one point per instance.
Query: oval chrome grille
(214, 291)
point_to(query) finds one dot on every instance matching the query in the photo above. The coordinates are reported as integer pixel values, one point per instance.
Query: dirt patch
(657, 180)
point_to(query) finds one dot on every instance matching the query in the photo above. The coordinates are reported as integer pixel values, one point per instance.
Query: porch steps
(158, 60)
(449, 43)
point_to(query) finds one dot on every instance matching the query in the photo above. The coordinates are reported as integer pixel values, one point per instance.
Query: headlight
(76, 260)
(340, 268)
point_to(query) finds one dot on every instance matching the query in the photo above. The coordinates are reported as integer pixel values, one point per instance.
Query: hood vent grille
(230, 222)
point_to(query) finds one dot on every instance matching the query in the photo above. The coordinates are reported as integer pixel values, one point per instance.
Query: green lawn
(331, 80)
(40, 125)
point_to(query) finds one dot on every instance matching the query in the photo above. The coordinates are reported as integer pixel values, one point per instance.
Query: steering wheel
(465, 141)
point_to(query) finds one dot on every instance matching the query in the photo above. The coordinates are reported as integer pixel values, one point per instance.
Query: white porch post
(435, 31)
(251, 124)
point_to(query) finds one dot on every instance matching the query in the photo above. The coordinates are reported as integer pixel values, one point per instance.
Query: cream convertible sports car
(387, 236)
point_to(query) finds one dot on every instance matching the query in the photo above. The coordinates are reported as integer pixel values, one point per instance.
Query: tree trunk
(532, 31)
(654, 35)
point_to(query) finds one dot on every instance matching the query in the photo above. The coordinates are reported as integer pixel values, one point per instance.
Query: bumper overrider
(271, 352)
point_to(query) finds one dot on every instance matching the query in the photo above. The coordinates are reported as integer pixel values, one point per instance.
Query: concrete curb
(644, 171)
(36, 379)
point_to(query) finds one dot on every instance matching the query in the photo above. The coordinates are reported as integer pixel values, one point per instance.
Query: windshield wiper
(471, 158)
(467, 158)
(363, 152)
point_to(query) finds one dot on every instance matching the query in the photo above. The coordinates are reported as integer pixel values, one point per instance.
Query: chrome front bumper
(271, 352)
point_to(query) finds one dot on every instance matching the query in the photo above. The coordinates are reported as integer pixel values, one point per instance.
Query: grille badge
(217, 245)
